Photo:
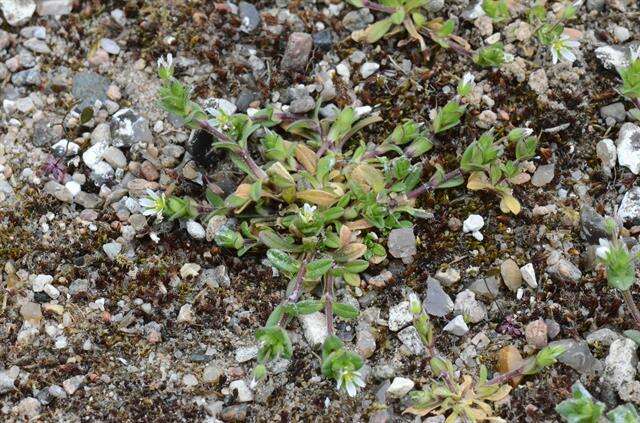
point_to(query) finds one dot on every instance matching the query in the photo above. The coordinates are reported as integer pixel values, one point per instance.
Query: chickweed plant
(631, 78)
(620, 266)
(459, 396)
(550, 31)
(406, 15)
(582, 408)
(317, 201)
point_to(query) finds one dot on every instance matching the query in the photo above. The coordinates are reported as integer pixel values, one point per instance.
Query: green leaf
(256, 191)
(580, 408)
(272, 240)
(304, 307)
(86, 115)
(214, 199)
(448, 117)
(275, 316)
(283, 261)
(345, 311)
(632, 334)
(331, 344)
(397, 17)
(317, 268)
(374, 32)
(626, 413)
(356, 266)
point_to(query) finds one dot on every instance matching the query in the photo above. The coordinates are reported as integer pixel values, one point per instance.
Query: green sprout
(491, 56)
(631, 78)
(497, 10)
(581, 407)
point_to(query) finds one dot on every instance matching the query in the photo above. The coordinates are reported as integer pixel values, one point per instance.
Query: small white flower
(153, 204)
(564, 49)
(468, 78)
(350, 381)
(307, 213)
(603, 249)
(165, 63)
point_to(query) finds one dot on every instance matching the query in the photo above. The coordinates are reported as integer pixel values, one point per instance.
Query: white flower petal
(568, 55)
(351, 389)
(554, 56)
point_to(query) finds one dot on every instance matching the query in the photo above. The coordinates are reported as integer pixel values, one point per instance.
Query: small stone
(186, 314)
(7, 379)
(189, 380)
(189, 270)
(437, 302)
(31, 312)
(629, 210)
(411, 340)
(538, 81)
(400, 387)
(37, 46)
(297, 51)
(112, 249)
(615, 111)
(212, 373)
(607, 153)
(109, 46)
(467, 305)
(620, 364)
(473, 223)
(529, 275)
(487, 288)
(486, 119)
(72, 384)
(302, 105)
(563, 269)
(612, 57)
(28, 407)
(365, 343)
(402, 243)
(369, 68)
(399, 316)
(628, 147)
(17, 12)
(89, 87)
(216, 277)
(511, 274)
(448, 277)
(543, 175)
(234, 413)
(314, 327)
(249, 17)
(536, 333)
(457, 326)
(114, 156)
(323, 40)
(621, 33)
(242, 390)
(54, 7)
(129, 128)
(577, 356)
(195, 229)
(509, 358)
(604, 336)
(246, 353)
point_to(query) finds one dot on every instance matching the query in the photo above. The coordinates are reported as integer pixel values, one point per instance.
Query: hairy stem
(256, 171)
(631, 304)
(377, 6)
(328, 303)
(295, 294)
(432, 184)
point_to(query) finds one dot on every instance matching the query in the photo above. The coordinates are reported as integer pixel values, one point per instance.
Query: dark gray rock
(27, 77)
(592, 225)
(578, 356)
(128, 128)
(615, 111)
(323, 40)
(249, 16)
(89, 87)
(437, 303)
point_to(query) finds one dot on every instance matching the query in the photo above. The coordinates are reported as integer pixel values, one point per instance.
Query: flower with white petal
(350, 381)
(153, 204)
(563, 49)
(466, 84)
(307, 213)
(165, 63)
(603, 248)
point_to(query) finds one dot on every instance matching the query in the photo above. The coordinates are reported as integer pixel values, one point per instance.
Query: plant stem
(432, 184)
(506, 377)
(631, 304)
(295, 294)
(256, 171)
(378, 7)
(328, 303)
